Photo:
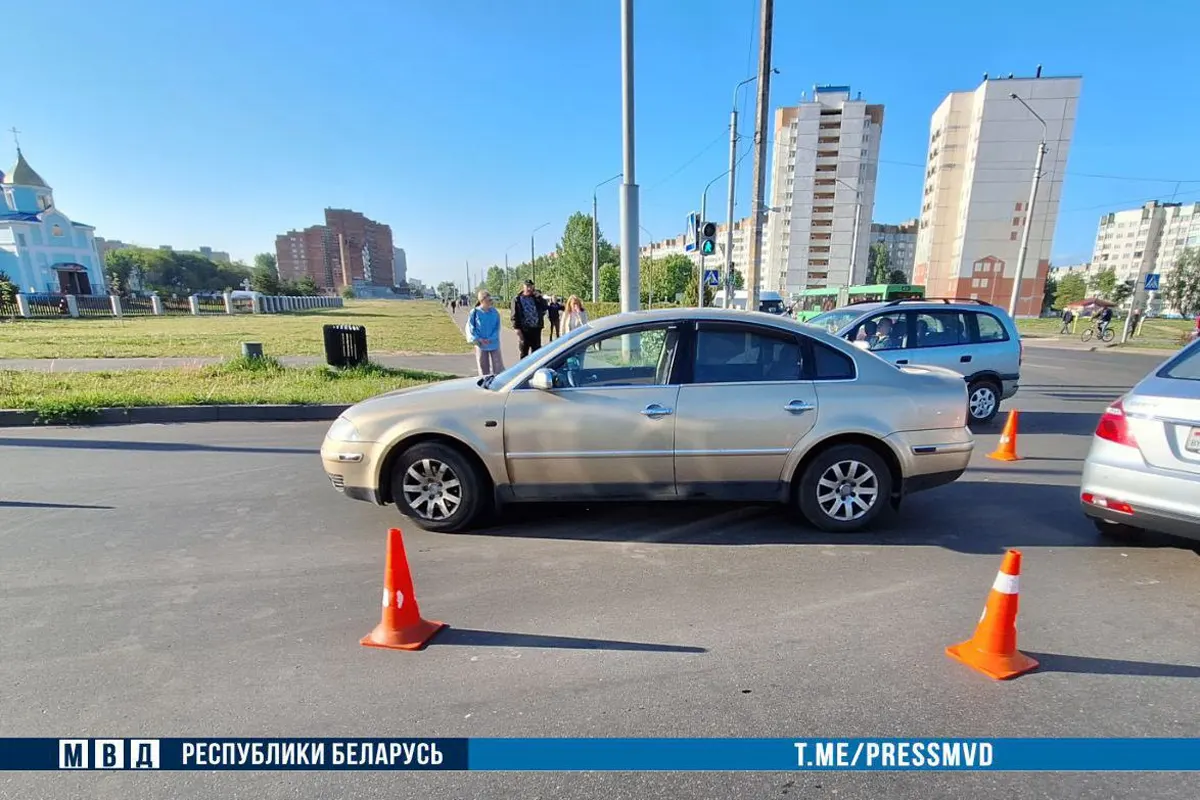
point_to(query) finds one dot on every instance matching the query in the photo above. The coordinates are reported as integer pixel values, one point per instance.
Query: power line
(690, 161)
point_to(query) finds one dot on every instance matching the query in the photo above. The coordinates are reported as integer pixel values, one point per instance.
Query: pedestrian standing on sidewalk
(554, 313)
(1067, 317)
(528, 308)
(576, 316)
(483, 326)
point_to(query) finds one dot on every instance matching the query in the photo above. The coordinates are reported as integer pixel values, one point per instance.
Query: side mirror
(543, 379)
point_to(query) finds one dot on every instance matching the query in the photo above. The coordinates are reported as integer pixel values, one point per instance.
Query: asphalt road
(205, 580)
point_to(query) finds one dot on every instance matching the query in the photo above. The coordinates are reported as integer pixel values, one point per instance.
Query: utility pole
(467, 290)
(629, 190)
(532, 257)
(754, 265)
(727, 278)
(596, 241)
(1037, 177)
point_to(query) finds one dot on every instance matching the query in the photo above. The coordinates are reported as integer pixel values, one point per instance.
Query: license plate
(1193, 441)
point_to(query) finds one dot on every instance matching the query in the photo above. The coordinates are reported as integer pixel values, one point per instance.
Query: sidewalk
(1068, 342)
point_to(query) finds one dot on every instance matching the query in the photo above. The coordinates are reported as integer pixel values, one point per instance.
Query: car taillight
(1114, 426)
(1119, 506)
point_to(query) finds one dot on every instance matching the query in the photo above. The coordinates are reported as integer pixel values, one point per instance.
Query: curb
(141, 415)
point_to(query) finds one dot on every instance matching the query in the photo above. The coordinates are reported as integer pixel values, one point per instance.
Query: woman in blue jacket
(483, 329)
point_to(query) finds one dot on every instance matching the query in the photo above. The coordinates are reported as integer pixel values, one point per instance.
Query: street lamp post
(504, 281)
(1037, 177)
(596, 241)
(532, 258)
(729, 201)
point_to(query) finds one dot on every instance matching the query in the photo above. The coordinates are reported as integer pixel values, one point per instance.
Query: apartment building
(825, 162)
(350, 249)
(900, 242)
(1147, 240)
(399, 266)
(982, 148)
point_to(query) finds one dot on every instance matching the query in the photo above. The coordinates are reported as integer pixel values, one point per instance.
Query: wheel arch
(400, 445)
(873, 443)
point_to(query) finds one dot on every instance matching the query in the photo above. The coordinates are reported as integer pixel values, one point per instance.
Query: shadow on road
(477, 638)
(1073, 423)
(1083, 665)
(966, 516)
(24, 504)
(152, 447)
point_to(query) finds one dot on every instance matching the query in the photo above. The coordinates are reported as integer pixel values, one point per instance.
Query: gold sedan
(676, 404)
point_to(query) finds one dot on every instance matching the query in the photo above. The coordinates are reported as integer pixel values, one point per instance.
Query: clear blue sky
(466, 123)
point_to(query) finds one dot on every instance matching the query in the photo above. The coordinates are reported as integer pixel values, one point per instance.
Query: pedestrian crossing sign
(1152, 282)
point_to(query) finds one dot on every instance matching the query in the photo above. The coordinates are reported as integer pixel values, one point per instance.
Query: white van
(770, 302)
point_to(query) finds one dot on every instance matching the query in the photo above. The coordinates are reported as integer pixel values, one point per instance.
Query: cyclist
(1103, 319)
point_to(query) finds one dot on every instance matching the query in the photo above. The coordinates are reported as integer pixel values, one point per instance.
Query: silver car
(675, 404)
(1143, 470)
(975, 339)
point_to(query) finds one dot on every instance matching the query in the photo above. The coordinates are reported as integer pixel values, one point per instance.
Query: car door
(891, 347)
(607, 428)
(942, 338)
(743, 406)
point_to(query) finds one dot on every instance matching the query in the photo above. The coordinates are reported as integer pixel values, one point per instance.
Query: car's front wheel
(437, 487)
(983, 402)
(845, 488)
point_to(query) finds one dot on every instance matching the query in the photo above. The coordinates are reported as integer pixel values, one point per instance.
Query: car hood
(451, 385)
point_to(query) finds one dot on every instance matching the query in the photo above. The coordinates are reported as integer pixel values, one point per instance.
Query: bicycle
(1108, 335)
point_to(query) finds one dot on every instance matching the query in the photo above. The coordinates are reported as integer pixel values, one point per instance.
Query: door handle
(965, 359)
(655, 410)
(798, 407)
(902, 361)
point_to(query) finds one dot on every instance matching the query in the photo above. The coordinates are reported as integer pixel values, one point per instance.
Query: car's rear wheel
(1114, 529)
(983, 402)
(437, 487)
(844, 488)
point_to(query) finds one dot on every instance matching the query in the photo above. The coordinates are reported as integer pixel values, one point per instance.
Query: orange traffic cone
(402, 627)
(1006, 450)
(993, 648)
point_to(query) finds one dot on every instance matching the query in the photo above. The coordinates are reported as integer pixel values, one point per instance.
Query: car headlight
(343, 430)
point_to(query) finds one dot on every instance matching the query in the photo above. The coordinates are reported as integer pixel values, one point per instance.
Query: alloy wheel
(432, 489)
(847, 490)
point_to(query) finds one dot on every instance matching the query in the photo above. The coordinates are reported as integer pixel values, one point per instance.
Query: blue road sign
(1152, 282)
(712, 277)
(690, 233)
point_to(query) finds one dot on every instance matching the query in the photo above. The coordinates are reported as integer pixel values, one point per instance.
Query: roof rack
(946, 300)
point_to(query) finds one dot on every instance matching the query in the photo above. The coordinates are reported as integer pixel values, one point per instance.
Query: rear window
(990, 329)
(1184, 367)
(830, 365)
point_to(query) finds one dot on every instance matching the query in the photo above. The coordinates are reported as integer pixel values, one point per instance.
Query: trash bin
(345, 345)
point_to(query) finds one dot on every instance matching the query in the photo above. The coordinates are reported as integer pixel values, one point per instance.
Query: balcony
(828, 140)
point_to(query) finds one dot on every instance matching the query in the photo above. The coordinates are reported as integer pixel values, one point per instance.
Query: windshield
(771, 306)
(1185, 366)
(834, 321)
(501, 380)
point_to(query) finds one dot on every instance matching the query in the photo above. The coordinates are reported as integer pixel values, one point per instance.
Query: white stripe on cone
(1006, 584)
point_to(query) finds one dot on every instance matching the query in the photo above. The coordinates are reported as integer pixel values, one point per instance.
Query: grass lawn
(69, 396)
(393, 326)
(1168, 334)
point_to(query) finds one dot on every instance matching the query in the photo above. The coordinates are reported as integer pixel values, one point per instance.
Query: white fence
(33, 306)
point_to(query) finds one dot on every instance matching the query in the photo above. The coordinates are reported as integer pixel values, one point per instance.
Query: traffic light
(708, 238)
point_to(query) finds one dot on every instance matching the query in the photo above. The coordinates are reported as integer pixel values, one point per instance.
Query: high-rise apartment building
(824, 167)
(900, 241)
(349, 249)
(399, 266)
(1140, 241)
(982, 148)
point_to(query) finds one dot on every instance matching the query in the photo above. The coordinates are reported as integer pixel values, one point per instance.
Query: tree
(610, 283)
(1122, 292)
(447, 290)
(8, 294)
(739, 280)
(572, 271)
(1049, 293)
(879, 263)
(1181, 289)
(1104, 283)
(267, 263)
(665, 277)
(897, 276)
(689, 292)
(1071, 288)
(348, 293)
(307, 287)
(265, 280)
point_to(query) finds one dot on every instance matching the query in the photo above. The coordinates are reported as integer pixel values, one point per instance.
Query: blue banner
(623, 755)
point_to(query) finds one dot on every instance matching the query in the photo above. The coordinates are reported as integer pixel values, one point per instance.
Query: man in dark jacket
(553, 312)
(528, 309)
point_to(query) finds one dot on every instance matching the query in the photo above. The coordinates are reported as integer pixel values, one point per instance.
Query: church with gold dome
(41, 249)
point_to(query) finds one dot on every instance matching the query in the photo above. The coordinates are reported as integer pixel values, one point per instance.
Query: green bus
(817, 301)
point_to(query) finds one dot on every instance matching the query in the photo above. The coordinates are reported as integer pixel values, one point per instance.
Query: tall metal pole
(727, 279)
(854, 241)
(700, 279)
(532, 257)
(595, 254)
(629, 190)
(1037, 177)
(753, 268)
